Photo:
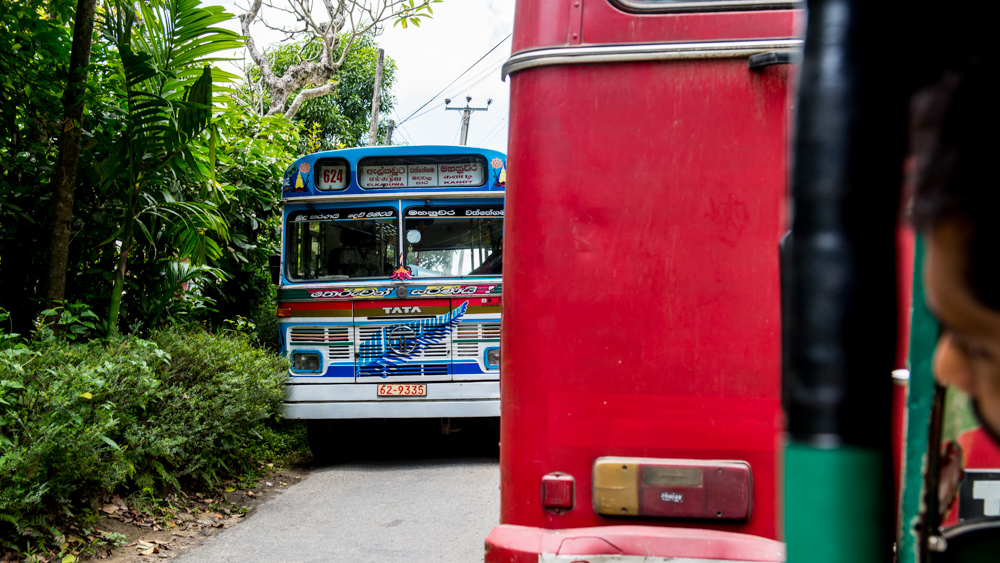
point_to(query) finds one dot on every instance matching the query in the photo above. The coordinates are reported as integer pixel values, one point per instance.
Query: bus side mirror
(274, 265)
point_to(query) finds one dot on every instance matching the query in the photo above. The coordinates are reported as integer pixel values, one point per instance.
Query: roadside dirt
(190, 520)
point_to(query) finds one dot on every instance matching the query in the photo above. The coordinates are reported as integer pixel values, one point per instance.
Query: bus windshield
(449, 242)
(342, 245)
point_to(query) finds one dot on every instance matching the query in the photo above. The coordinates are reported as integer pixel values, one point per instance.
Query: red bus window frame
(678, 6)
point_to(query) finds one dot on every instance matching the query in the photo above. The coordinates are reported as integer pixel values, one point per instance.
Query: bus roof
(420, 170)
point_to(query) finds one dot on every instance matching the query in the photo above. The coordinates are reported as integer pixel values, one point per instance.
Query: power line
(399, 129)
(404, 135)
(487, 141)
(479, 77)
(499, 123)
(433, 108)
(503, 121)
(454, 81)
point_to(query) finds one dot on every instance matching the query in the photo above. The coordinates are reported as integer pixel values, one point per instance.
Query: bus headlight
(493, 358)
(305, 361)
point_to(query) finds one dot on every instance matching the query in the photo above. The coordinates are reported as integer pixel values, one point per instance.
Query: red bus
(640, 399)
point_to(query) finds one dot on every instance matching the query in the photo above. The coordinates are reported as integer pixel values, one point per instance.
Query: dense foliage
(35, 37)
(79, 421)
(195, 209)
(176, 211)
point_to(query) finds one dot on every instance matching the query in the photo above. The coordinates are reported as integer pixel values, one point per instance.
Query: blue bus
(389, 285)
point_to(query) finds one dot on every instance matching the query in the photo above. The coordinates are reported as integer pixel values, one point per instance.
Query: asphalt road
(406, 496)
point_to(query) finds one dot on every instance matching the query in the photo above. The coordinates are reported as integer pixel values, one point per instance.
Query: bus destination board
(332, 177)
(422, 175)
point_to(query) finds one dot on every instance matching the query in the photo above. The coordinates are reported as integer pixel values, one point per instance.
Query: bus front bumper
(445, 399)
(627, 544)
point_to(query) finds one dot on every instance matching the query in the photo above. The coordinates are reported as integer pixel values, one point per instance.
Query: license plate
(394, 390)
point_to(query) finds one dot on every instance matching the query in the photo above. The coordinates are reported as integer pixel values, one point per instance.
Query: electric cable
(404, 135)
(503, 121)
(479, 77)
(456, 80)
(499, 123)
(432, 108)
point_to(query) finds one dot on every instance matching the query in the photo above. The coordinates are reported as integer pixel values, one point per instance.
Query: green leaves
(165, 49)
(166, 177)
(148, 424)
(189, 225)
(168, 84)
(164, 55)
(67, 321)
(196, 108)
(411, 13)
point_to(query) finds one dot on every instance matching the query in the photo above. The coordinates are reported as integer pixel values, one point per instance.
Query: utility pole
(467, 114)
(376, 99)
(388, 134)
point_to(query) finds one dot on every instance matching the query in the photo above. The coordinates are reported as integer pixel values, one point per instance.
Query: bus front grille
(376, 342)
(403, 370)
(335, 340)
(472, 338)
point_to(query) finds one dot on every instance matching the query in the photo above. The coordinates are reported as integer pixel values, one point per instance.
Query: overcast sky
(431, 57)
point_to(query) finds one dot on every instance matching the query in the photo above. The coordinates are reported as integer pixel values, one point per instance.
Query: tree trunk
(69, 151)
(119, 287)
(376, 100)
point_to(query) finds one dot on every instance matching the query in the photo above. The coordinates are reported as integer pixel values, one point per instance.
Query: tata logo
(401, 310)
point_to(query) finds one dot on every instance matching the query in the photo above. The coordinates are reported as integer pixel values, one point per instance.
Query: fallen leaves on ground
(149, 547)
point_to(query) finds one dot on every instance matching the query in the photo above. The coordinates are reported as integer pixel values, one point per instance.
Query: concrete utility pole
(466, 114)
(388, 134)
(376, 99)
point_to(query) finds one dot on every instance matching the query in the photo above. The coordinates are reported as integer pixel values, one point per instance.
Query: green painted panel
(923, 337)
(833, 504)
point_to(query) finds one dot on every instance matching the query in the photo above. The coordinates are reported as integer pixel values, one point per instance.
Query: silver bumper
(444, 399)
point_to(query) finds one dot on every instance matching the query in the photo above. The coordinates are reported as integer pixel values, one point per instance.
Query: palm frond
(191, 223)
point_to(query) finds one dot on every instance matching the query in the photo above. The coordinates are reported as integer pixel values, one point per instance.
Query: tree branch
(307, 94)
(315, 73)
(245, 21)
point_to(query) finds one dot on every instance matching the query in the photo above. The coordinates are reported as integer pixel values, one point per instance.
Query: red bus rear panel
(641, 313)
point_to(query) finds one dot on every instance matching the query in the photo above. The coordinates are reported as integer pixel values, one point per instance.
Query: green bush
(265, 320)
(78, 421)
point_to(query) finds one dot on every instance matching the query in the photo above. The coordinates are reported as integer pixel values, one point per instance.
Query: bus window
(341, 248)
(449, 242)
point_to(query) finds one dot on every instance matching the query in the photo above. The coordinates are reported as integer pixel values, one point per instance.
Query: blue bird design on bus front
(395, 345)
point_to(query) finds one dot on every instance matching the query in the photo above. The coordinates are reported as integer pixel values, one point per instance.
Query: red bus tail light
(672, 488)
(557, 492)
(284, 312)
